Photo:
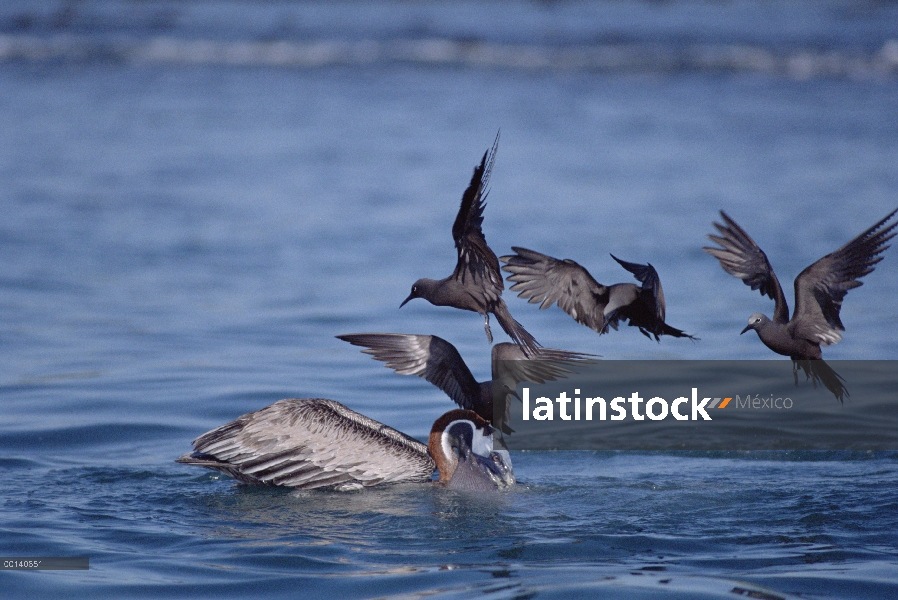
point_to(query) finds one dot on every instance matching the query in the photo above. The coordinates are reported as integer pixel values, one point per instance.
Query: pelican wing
(311, 443)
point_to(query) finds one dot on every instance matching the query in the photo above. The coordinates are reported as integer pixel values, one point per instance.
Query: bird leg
(486, 327)
(805, 366)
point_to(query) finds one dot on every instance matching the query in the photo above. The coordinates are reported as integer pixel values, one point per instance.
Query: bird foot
(486, 327)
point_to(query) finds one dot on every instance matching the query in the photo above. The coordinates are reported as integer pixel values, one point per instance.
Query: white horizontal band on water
(799, 63)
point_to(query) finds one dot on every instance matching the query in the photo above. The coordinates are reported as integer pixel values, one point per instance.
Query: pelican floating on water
(317, 443)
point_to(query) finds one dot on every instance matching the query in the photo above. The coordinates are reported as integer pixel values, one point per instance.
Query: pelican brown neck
(461, 445)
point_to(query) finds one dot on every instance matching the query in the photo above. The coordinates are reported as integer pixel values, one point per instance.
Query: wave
(799, 63)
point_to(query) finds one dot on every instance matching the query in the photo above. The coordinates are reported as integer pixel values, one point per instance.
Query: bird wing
(624, 303)
(427, 356)
(741, 257)
(311, 443)
(648, 277)
(541, 278)
(547, 364)
(820, 288)
(476, 262)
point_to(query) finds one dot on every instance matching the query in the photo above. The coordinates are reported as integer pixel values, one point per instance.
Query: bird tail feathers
(818, 370)
(516, 331)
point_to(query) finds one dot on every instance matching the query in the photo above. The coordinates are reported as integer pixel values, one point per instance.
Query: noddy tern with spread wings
(476, 283)
(439, 362)
(541, 278)
(819, 291)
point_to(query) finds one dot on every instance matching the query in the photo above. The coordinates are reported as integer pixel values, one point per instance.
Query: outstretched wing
(311, 443)
(547, 280)
(476, 262)
(648, 277)
(512, 365)
(427, 356)
(741, 257)
(820, 288)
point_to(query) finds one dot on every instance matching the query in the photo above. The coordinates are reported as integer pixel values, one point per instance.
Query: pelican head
(461, 444)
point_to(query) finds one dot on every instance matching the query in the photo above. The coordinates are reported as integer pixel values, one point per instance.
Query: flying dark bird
(476, 283)
(819, 291)
(315, 443)
(437, 361)
(547, 280)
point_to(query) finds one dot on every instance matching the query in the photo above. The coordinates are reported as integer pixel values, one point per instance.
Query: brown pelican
(316, 443)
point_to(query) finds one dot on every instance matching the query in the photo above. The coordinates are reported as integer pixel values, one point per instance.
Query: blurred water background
(197, 196)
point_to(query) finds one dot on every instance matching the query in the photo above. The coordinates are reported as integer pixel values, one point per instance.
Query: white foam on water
(800, 63)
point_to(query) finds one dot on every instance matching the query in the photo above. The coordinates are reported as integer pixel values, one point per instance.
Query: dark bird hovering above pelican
(438, 361)
(541, 278)
(819, 291)
(315, 443)
(476, 283)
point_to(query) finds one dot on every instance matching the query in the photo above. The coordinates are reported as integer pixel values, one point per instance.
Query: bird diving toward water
(438, 361)
(316, 443)
(547, 280)
(819, 291)
(476, 283)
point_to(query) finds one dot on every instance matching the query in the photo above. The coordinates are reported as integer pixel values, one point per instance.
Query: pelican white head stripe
(481, 443)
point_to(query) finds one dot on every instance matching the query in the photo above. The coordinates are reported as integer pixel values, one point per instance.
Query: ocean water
(196, 197)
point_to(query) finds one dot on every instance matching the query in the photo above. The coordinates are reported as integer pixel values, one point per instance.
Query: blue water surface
(186, 227)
